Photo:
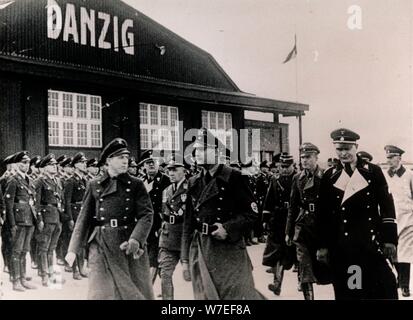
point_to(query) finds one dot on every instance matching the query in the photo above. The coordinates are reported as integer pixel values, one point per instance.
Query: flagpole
(296, 70)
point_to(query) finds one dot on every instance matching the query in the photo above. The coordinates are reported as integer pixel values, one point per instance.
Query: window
(74, 119)
(220, 124)
(158, 127)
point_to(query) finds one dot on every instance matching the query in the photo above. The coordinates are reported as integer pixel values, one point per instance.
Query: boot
(308, 291)
(405, 292)
(45, 281)
(81, 266)
(17, 286)
(76, 275)
(278, 278)
(167, 290)
(27, 285)
(23, 268)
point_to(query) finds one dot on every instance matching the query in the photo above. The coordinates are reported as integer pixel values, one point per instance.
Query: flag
(293, 52)
(4, 4)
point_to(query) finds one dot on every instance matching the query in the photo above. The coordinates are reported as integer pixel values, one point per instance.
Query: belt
(205, 228)
(23, 202)
(310, 207)
(114, 223)
(78, 203)
(172, 219)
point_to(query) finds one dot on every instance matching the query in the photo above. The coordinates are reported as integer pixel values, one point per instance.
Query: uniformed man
(277, 254)
(133, 167)
(21, 217)
(155, 183)
(300, 228)
(74, 191)
(400, 183)
(220, 207)
(367, 157)
(275, 164)
(92, 169)
(60, 171)
(356, 225)
(248, 171)
(263, 181)
(34, 173)
(173, 211)
(50, 206)
(67, 169)
(6, 245)
(114, 222)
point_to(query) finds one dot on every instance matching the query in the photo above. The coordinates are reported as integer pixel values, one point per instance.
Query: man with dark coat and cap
(357, 232)
(92, 169)
(300, 228)
(21, 217)
(365, 156)
(34, 173)
(173, 212)
(277, 254)
(114, 224)
(49, 206)
(400, 183)
(133, 167)
(213, 249)
(155, 183)
(6, 245)
(74, 191)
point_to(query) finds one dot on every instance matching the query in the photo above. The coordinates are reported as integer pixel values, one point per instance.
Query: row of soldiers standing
(41, 199)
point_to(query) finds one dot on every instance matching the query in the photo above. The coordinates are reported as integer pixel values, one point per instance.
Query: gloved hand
(71, 225)
(132, 247)
(389, 251)
(40, 226)
(288, 240)
(220, 233)
(185, 272)
(322, 255)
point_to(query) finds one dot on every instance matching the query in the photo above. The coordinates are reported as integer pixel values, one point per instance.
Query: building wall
(273, 136)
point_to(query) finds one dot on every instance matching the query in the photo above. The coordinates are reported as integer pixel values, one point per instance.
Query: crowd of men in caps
(132, 222)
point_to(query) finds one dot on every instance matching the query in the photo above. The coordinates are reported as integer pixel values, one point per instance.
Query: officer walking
(21, 216)
(213, 249)
(114, 222)
(300, 228)
(277, 254)
(49, 204)
(74, 191)
(155, 183)
(400, 183)
(173, 212)
(6, 245)
(356, 225)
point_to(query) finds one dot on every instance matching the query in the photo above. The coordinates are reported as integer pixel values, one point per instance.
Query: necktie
(347, 168)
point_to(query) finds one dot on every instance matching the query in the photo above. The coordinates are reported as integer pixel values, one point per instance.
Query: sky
(359, 79)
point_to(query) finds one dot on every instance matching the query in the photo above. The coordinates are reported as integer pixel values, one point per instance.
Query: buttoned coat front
(124, 200)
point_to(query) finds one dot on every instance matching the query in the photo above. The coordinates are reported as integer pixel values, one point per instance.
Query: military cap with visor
(392, 151)
(344, 136)
(48, 160)
(79, 157)
(115, 148)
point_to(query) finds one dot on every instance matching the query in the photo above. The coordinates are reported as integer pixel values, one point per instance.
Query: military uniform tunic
(115, 210)
(277, 203)
(220, 269)
(355, 219)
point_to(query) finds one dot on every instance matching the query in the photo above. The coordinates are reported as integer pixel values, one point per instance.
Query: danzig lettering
(87, 24)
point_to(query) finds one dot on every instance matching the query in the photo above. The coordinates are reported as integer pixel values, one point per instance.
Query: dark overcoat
(275, 214)
(355, 219)
(173, 212)
(124, 202)
(220, 269)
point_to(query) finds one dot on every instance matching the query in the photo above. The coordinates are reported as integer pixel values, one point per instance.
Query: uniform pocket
(20, 212)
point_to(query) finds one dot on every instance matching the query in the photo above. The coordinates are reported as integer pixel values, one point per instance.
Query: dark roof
(184, 71)
(23, 33)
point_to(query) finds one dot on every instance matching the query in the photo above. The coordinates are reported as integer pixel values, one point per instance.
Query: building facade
(75, 74)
